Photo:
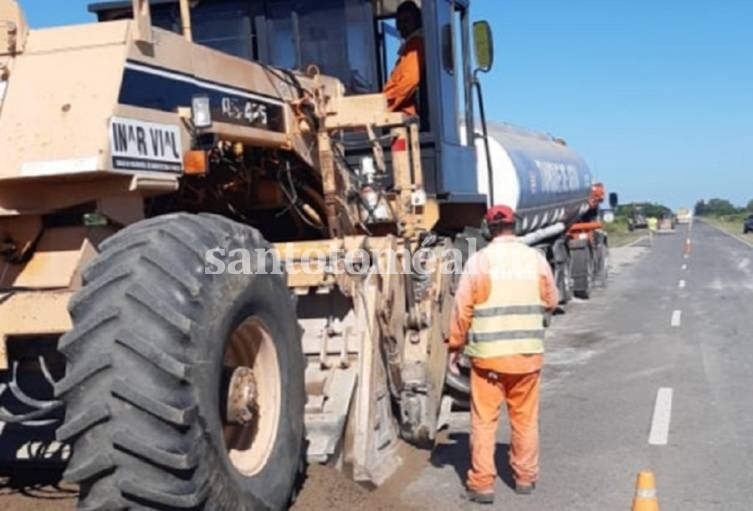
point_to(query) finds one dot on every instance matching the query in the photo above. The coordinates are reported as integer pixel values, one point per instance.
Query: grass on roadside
(620, 235)
(732, 224)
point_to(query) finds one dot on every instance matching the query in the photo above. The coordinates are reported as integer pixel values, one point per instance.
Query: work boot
(524, 488)
(479, 497)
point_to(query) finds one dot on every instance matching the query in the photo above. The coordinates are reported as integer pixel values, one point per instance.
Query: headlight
(201, 112)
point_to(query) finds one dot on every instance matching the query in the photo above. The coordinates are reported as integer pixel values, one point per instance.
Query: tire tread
(150, 353)
(170, 414)
(87, 327)
(81, 471)
(88, 369)
(162, 311)
(186, 500)
(155, 455)
(77, 425)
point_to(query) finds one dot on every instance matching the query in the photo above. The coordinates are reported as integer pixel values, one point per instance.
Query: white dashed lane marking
(676, 318)
(681, 285)
(659, 434)
(684, 266)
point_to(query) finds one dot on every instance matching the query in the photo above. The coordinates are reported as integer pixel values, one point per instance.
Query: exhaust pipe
(142, 20)
(142, 17)
(185, 18)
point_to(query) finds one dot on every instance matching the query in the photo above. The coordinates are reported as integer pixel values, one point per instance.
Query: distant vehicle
(748, 225)
(667, 223)
(684, 216)
(637, 220)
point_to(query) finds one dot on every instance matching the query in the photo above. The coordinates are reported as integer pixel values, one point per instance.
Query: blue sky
(656, 95)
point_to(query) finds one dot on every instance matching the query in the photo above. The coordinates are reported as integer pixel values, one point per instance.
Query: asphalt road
(606, 363)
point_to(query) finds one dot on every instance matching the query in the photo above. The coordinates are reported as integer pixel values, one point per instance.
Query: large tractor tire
(184, 390)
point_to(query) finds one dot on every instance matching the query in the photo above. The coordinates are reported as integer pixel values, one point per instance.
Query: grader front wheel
(183, 390)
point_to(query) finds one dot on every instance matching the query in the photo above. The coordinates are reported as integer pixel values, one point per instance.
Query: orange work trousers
(520, 392)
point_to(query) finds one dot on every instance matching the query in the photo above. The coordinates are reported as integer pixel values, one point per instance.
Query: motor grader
(138, 155)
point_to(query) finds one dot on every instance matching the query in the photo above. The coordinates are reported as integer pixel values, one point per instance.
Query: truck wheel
(583, 269)
(601, 265)
(184, 390)
(564, 282)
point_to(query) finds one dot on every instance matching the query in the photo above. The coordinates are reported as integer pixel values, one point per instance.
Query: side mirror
(614, 200)
(483, 43)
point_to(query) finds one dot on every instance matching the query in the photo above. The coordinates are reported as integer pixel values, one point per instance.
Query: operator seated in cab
(403, 89)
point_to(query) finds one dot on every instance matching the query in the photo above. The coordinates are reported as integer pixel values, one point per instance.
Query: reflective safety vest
(511, 321)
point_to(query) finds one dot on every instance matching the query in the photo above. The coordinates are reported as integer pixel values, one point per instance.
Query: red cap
(500, 215)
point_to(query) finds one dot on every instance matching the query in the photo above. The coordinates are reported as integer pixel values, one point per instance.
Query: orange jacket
(403, 84)
(474, 288)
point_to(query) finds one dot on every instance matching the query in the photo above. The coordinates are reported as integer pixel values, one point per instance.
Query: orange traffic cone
(645, 493)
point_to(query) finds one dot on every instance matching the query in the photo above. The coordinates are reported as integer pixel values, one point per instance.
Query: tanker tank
(541, 177)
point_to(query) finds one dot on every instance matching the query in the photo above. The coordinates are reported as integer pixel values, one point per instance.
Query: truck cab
(357, 42)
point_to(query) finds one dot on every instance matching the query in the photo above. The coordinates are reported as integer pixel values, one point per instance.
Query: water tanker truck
(556, 199)
(557, 203)
(202, 209)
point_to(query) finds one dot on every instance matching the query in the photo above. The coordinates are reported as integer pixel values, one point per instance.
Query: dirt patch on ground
(324, 489)
(327, 489)
(38, 491)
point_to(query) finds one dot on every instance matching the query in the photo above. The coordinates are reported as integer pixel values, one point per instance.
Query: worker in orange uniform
(498, 319)
(403, 86)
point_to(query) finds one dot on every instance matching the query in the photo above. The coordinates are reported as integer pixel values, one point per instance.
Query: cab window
(223, 26)
(335, 35)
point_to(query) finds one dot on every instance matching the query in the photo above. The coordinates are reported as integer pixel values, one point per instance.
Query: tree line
(720, 207)
(647, 209)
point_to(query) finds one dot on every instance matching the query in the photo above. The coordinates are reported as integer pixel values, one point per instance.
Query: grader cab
(194, 363)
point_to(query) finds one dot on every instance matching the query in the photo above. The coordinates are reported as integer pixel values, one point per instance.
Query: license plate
(139, 145)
